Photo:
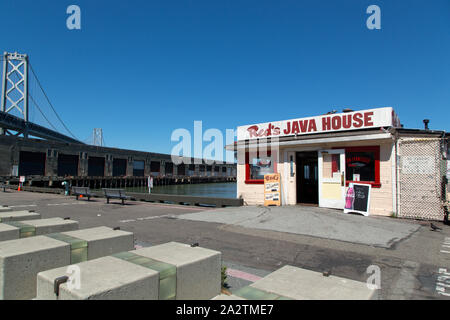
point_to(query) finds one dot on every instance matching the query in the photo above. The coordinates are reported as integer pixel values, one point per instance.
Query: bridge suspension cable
(42, 113)
(49, 102)
(38, 107)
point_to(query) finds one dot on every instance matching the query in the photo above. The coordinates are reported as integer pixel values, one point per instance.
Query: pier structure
(46, 163)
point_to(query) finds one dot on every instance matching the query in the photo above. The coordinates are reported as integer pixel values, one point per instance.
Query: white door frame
(332, 203)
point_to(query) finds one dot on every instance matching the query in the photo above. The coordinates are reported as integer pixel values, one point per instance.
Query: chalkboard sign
(358, 198)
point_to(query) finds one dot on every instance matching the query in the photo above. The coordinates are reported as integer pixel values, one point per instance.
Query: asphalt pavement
(414, 261)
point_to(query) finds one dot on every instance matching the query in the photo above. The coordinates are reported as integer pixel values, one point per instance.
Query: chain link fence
(421, 183)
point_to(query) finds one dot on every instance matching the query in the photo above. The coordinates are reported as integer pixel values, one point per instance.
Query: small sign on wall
(15, 171)
(272, 189)
(418, 165)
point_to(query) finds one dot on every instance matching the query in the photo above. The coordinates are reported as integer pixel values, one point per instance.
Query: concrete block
(22, 259)
(301, 284)
(227, 297)
(40, 253)
(29, 228)
(104, 241)
(52, 225)
(18, 216)
(198, 269)
(167, 273)
(8, 232)
(106, 278)
(182, 272)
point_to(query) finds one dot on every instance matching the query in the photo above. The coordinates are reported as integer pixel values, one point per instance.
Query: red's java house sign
(373, 118)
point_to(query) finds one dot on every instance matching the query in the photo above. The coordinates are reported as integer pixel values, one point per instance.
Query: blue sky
(141, 69)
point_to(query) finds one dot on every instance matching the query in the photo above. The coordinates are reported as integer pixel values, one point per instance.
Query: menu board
(272, 189)
(358, 198)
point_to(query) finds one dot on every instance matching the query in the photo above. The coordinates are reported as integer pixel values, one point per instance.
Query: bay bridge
(35, 143)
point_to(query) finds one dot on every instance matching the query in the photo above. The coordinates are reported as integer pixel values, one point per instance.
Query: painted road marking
(443, 279)
(23, 206)
(181, 207)
(443, 284)
(441, 290)
(148, 218)
(242, 275)
(65, 204)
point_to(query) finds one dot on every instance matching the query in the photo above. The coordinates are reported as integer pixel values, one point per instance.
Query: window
(169, 168)
(191, 170)
(138, 168)
(155, 166)
(181, 170)
(119, 167)
(306, 173)
(331, 165)
(363, 165)
(257, 166)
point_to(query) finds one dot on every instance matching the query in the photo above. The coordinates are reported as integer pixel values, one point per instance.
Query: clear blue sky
(140, 69)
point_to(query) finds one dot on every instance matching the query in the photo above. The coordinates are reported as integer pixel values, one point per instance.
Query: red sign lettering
(256, 133)
(357, 120)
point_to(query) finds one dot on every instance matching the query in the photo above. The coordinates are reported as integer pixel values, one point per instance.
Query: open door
(307, 178)
(332, 178)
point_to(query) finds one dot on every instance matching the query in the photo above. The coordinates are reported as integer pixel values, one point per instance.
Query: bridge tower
(15, 86)
(97, 137)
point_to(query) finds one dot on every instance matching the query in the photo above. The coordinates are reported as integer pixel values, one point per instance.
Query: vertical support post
(4, 74)
(25, 101)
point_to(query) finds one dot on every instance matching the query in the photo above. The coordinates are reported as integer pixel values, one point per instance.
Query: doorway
(307, 178)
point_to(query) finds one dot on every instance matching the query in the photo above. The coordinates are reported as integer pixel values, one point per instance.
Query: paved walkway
(312, 221)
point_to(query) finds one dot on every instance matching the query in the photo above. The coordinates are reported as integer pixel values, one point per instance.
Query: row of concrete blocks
(22, 259)
(10, 230)
(169, 271)
(30, 266)
(23, 224)
(163, 272)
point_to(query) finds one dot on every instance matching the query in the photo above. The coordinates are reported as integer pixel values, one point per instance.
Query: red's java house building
(317, 158)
